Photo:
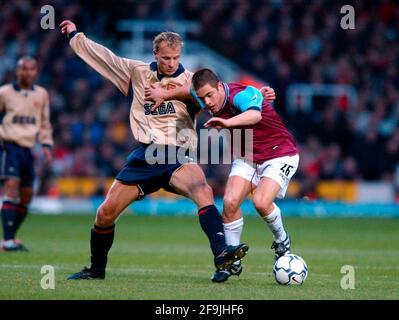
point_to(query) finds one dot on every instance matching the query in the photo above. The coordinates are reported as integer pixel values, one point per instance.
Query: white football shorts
(280, 170)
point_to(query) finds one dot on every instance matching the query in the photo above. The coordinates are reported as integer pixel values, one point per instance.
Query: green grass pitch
(169, 258)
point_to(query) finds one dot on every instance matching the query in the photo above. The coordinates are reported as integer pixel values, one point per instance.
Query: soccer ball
(290, 270)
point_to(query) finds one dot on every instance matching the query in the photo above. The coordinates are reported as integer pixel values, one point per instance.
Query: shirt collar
(18, 88)
(227, 91)
(154, 67)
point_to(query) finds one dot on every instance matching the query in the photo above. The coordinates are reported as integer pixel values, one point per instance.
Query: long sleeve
(46, 131)
(116, 69)
(2, 109)
(2, 106)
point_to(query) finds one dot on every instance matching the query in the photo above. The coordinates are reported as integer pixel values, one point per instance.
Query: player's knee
(230, 204)
(12, 189)
(105, 216)
(263, 204)
(202, 195)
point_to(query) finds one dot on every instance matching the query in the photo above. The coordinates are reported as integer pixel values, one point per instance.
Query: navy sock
(22, 212)
(8, 214)
(211, 223)
(100, 242)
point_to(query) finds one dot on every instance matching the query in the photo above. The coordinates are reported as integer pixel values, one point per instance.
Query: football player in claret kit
(273, 162)
(25, 117)
(140, 176)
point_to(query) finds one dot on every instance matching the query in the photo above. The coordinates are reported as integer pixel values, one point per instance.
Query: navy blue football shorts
(152, 171)
(16, 162)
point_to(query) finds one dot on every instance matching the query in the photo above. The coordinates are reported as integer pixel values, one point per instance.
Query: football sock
(211, 222)
(275, 224)
(232, 231)
(20, 216)
(100, 242)
(8, 214)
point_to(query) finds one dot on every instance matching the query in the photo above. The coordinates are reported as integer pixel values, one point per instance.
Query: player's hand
(156, 94)
(48, 156)
(268, 93)
(67, 26)
(217, 123)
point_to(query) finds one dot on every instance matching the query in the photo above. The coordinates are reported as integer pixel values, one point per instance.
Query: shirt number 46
(286, 169)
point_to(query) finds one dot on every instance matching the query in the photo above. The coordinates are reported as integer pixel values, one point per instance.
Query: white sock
(275, 224)
(232, 233)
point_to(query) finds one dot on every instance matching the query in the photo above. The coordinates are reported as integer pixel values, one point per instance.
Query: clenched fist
(67, 27)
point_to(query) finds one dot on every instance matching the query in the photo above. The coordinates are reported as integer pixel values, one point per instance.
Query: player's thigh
(237, 188)
(243, 169)
(26, 168)
(189, 180)
(119, 196)
(265, 194)
(10, 169)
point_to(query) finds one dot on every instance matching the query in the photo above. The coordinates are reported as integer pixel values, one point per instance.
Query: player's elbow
(256, 116)
(231, 204)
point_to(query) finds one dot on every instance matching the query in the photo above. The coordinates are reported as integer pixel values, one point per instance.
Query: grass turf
(169, 258)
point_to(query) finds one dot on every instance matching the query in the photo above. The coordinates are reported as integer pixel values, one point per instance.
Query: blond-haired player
(170, 129)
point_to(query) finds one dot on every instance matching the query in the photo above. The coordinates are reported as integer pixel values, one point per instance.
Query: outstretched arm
(116, 69)
(1, 103)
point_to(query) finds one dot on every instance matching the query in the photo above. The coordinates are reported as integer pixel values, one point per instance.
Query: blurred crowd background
(280, 42)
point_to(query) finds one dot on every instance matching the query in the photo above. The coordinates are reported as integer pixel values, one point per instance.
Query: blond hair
(172, 40)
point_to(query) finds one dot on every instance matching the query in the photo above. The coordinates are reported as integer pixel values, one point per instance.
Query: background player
(25, 115)
(138, 177)
(275, 158)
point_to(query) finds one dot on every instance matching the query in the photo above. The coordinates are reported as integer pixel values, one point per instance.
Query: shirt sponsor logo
(164, 108)
(23, 120)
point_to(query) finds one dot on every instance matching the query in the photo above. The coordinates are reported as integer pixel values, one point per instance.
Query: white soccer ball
(290, 270)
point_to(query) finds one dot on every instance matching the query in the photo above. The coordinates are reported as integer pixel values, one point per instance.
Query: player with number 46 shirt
(272, 162)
